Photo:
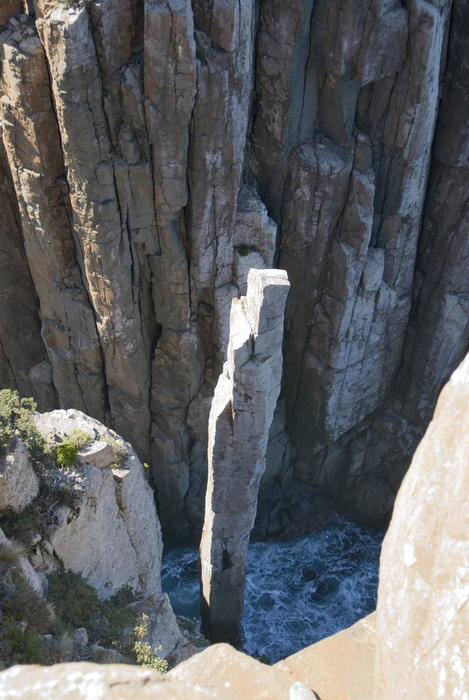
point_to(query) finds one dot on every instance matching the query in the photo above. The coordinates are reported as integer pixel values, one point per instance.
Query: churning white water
(296, 592)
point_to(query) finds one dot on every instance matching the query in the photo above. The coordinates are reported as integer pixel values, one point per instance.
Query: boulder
(340, 667)
(19, 484)
(85, 681)
(110, 533)
(423, 596)
(231, 674)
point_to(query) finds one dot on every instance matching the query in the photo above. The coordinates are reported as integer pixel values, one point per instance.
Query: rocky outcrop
(423, 596)
(85, 680)
(92, 512)
(239, 424)
(340, 667)
(232, 674)
(218, 672)
(19, 484)
(153, 152)
(110, 533)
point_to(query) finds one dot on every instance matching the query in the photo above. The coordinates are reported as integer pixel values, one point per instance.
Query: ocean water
(297, 592)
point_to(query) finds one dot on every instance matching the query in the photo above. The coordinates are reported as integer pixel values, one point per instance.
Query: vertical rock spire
(239, 423)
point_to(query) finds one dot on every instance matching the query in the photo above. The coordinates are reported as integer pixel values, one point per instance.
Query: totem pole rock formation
(240, 418)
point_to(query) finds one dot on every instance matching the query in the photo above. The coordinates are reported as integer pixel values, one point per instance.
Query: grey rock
(111, 534)
(80, 642)
(240, 419)
(424, 561)
(19, 484)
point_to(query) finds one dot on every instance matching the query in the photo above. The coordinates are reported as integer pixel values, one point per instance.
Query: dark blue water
(297, 592)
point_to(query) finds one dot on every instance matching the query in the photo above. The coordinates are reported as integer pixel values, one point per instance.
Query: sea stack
(240, 418)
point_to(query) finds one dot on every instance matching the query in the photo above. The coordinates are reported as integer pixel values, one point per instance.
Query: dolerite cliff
(155, 150)
(413, 646)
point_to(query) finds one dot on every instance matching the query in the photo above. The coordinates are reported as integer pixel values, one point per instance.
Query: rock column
(239, 423)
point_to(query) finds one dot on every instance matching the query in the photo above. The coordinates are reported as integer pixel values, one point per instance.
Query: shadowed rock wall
(155, 150)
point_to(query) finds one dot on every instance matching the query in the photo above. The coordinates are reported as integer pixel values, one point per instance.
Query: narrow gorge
(155, 151)
(171, 168)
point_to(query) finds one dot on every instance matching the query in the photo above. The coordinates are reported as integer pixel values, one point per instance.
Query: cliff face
(413, 646)
(155, 150)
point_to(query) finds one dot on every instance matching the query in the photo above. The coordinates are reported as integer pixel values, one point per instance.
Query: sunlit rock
(239, 424)
(19, 484)
(423, 596)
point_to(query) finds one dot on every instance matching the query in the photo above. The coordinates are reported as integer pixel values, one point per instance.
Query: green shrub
(66, 496)
(23, 526)
(66, 454)
(144, 654)
(10, 552)
(27, 607)
(16, 420)
(244, 250)
(120, 453)
(78, 438)
(20, 646)
(76, 604)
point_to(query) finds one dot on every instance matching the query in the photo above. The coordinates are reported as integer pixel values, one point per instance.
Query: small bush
(78, 438)
(244, 250)
(10, 552)
(23, 526)
(16, 420)
(77, 605)
(20, 646)
(27, 607)
(66, 454)
(120, 453)
(66, 496)
(144, 654)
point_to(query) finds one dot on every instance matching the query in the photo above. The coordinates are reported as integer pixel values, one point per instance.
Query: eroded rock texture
(19, 484)
(423, 595)
(109, 533)
(238, 429)
(155, 150)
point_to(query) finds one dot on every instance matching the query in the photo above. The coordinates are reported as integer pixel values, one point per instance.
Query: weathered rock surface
(340, 667)
(87, 680)
(8, 9)
(231, 674)
(239, 424)
(423, 596)
(37, 581)
(110, 534)
(19, 484)
(218, 672)
(23, 366)
(154, 152)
